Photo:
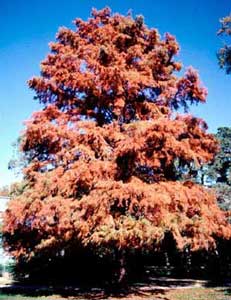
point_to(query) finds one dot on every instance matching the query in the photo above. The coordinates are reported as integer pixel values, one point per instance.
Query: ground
(161, 288)
(198, 293)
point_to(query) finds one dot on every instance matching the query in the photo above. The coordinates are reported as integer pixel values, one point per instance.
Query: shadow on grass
(227, 291)
(156, 287)
(65, 292)
(222, 282)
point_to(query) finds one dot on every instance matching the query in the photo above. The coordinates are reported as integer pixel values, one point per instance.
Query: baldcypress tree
(102, 152)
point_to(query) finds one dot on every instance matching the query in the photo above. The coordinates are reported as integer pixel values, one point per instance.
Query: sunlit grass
(200, 294)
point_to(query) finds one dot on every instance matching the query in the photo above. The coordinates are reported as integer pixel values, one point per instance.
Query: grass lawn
(199, 294)
(180, 294)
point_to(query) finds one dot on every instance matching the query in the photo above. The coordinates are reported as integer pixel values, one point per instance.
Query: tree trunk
(120, 271)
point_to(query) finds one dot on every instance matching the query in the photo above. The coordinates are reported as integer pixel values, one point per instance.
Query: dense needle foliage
(102, 153)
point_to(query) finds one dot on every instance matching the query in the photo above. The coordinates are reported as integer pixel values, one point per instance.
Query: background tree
(102, 153)
(5, 191)
(224, 53)
(222, 162)
(219, 172)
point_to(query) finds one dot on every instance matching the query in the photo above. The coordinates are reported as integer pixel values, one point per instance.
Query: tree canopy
(218, 173)
(102, 151)
(221, 167)
(224, 53)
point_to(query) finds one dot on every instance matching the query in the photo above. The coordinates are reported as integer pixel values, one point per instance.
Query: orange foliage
(102, 152)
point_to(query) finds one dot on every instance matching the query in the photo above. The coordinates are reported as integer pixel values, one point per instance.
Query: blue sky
(28, 26)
